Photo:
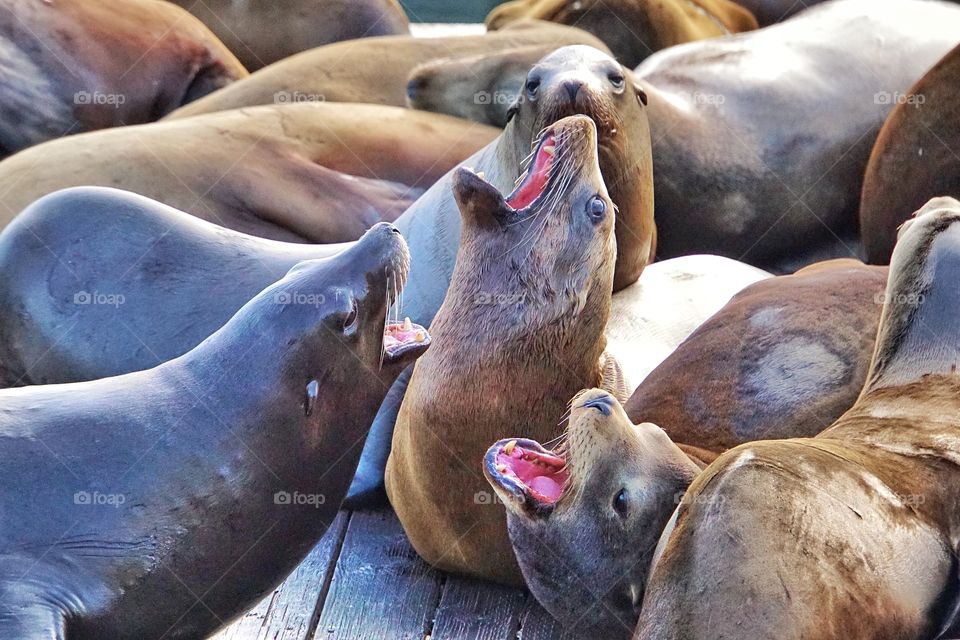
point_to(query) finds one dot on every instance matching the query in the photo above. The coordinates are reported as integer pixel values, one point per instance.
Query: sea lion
(633, 29)
(914, 158)
(264, 31)
(785, 358)
(209, 477)
(297, 172)
(372, 70)
(544, 256)
(78, 65)
(745, 166)
(584, 521)
(480, 87)
(858, 524)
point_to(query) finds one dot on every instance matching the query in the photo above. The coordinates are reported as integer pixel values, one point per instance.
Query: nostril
(412, 87)
(573, 88)
(394, 229)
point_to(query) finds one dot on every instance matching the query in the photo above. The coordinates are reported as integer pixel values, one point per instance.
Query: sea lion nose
(413, 86)
(603, 404)
(573, 88)
(394, 229)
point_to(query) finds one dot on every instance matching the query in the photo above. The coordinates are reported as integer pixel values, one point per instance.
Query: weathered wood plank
(537, 624)
(477, 610)
(290, 611)
(381, 588)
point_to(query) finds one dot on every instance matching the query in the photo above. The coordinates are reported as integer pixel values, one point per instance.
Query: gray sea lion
(76, 65)
(633, 29)
(860, 523)
(750, 161)
(786, 357)
(315, 173)
(262, 32)
(213, 474)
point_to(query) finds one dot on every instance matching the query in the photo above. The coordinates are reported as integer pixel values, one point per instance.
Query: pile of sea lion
(584, 297)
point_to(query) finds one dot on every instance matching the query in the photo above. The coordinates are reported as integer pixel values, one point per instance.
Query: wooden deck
(364, 581)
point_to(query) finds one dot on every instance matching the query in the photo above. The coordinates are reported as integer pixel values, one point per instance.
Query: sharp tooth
(407, 325)
(481, 175)
(509, 448)
(420, 337)
(549, 149)
(502, 468)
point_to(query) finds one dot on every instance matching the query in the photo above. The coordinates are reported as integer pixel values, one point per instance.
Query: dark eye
(621, 503)
(350, 320)
(533, 86)
(616, 79)
(596, 208)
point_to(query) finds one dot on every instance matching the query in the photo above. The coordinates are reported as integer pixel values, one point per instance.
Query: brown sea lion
(544, 256)
(77, 65)
(915, 156)
(301, 172)
(762, 138)
(261, 32)
(128, 499)
(633, 29)
(373, 70)
(851, 535)
(784, 358)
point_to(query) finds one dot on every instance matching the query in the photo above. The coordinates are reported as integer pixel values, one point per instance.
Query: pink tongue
(546, 487)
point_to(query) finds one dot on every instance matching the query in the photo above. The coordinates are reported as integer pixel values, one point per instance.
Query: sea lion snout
(603, 404)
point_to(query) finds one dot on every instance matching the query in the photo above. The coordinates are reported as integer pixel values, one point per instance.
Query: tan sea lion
(77, 65)
(633, 29)
(745, 165)
(915, 156)
(784, 358)
(300, 172)
(851, 535)
(373, 70)
(261, 32)
(544, 256)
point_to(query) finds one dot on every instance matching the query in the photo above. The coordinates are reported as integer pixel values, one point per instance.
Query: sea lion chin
(584, 519)
(526, 310)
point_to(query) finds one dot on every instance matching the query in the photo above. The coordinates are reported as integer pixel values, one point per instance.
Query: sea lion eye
(533, 86)
(350, 320)
(621, 503)
(617, 80)
(596, 208)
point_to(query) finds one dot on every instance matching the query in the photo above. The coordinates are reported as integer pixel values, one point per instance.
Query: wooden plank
(473, 609)
(381, 588)
(290, 611)
(537, 624)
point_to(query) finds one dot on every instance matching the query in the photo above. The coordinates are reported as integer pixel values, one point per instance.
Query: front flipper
(367, 489)
(614, 381)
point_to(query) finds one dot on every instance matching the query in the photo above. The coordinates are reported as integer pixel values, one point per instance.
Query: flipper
(367, 489)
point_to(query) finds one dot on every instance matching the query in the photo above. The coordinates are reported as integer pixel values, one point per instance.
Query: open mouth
(528, 473)
(533, 182)
(401, 339)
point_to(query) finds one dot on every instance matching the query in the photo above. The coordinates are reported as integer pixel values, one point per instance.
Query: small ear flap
(477, 199)
(641, 94)
(512, 111)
